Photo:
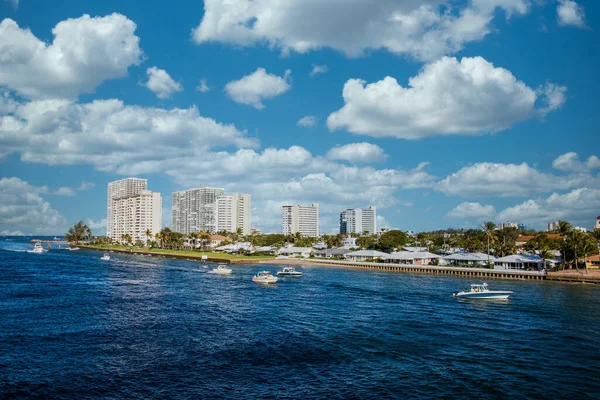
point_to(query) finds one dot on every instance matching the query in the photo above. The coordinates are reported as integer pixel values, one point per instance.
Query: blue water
(72, 326)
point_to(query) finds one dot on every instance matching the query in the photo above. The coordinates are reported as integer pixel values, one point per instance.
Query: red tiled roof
(218, 237)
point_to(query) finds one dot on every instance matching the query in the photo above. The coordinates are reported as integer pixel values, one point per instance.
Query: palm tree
(78, 232)
(148, 235)
(490, 231)
(546, 254)
(564, 229)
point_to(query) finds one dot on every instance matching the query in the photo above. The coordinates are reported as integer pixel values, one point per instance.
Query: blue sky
(440, 113)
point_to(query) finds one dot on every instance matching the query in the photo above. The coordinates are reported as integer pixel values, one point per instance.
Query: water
(73, 326)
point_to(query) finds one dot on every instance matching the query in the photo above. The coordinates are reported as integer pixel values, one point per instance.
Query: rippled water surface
(73, 326)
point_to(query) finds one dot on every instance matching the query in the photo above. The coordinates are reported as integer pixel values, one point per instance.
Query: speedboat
(72, 248)
(264, 277)
(220, 270)
(481, 291)
(105, 257)
(289, 272)
(37, 248)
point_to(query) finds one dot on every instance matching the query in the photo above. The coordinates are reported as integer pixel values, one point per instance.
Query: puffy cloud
(85, 51)
(202, 86)
(161, 83)
(309, 121)
(254, 88)
(110, 135)
(423, 29)
(447, 97)
(22, 208)
(570, 162)
(503, 180)
(472, 210)
(579, 206)
(86, 186)
(64, 191)
(358, 153)
(569, 12)
(382, 223)
(97, 227)
(11, 233)
(318, 69)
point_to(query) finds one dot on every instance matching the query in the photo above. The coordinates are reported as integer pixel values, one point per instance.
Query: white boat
(220, 270)
(481, 291)
(105, 257)
(37, 248)
(289, 272)
(264, 277)
(204, 258)
(71, 248)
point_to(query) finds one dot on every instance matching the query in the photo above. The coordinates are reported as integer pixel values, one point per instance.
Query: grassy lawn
(186, 253)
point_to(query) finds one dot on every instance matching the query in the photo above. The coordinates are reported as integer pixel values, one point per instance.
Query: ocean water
(73, 326)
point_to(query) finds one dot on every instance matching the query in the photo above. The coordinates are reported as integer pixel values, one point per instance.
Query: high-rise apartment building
(194, 210)
(233, 212)
(358, 220)
(119, 189)
(303, 219)
(135, 215)
(552, 226)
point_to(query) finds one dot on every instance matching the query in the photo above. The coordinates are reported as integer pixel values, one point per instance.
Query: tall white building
(194, 210)
(233, 212)
(358, 220)
(119, 189)
(552, 225)
(135, 215)
(303, 219)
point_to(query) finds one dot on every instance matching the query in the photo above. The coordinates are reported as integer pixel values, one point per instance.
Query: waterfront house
(236, 247)
(414, 249)
(331, 253)
(593, 262)
(519, 261)
(349, 243)
(366, 255)
(216, 240)
(266, 249)
(411, 257)
(522, 240)
(473, 259)
(295, 251)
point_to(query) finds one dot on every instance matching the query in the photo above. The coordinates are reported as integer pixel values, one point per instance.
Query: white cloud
(98, 227)
(318, 69)
(22, 208)
(382, 223)
(580, 207)
(472, 210)
(15, 4)
(570, 13)
(504, 180)
(423, 29)
(85, 51)
(202, 86)
(86, 186)
(358, 153)
(11, 233)
(64, 191)
(570, 162)
(161, 83)
(447, 97)
(309, 121)
(111, 136)
(254, 88)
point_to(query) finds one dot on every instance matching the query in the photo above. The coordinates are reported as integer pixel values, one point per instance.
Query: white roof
(414, 249)
(367, 253)
(520, 258)
(296, 250)
(469, 257)
(411, 255)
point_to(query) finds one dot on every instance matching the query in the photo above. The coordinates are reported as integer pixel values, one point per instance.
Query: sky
(441, 113)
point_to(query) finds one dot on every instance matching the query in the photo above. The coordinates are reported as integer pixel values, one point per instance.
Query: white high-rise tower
(119, 189)
(303, 219)
(194, 210)
(233, 212)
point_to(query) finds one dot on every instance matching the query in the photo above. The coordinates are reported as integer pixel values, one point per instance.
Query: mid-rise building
(136, 215)
(118, 189)
(233, 213)
(303, 219)
(509, 224)
(358, 220)
(552, 226)
(194, 210)
(598, 223)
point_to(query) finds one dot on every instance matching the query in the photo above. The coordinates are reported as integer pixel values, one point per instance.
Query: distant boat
(481, 291)
(289, 272)
(220, 270)
(37, 248)
(71, 248)
(105, 257)
(204, 258)
(264, 277)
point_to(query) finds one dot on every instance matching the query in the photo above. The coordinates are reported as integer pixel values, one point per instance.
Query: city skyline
(445, 122)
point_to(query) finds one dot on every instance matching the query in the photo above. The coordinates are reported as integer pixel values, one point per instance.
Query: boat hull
(269, 281)
(483, 295)
(290, 274)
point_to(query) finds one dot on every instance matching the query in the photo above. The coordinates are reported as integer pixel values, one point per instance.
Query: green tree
(148, 235)
(490, 232)
(126, 237)
(564, 229)
(78, 233)
(391, 240)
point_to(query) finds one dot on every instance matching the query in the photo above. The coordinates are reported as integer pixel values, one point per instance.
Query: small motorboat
(37, 248)
(105, 257)
(289, 272)
(71, 248)
(220, 270)
(264, 277)
(481, 291)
